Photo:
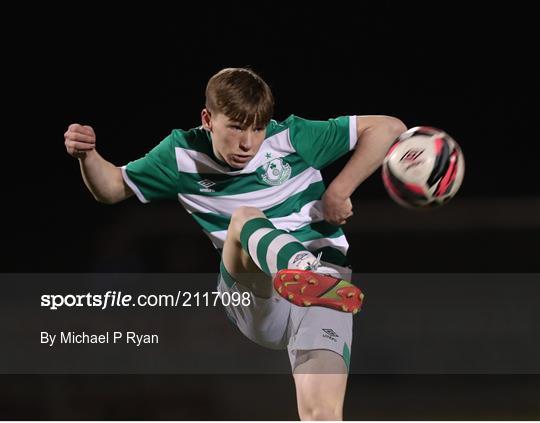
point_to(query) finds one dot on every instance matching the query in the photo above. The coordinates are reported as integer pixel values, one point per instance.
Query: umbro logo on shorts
(330, 334)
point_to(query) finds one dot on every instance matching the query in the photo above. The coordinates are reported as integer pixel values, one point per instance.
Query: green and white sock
(273, 249)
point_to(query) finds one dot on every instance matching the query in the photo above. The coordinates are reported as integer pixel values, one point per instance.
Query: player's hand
(79, 140)
(337, 208)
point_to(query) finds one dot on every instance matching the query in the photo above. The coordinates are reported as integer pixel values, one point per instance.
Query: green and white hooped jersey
(283, 179)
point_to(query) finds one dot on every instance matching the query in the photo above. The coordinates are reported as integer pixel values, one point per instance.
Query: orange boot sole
(305, 288)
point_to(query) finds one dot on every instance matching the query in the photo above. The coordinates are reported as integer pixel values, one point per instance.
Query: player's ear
(206, 119)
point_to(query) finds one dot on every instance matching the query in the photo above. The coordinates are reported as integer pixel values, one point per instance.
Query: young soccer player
(254, 186)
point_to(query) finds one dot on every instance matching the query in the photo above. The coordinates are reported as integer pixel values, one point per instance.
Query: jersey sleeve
(320, 143)
(154, 176)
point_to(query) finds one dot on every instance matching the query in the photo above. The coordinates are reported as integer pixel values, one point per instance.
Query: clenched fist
(337, 208)
(79, 140)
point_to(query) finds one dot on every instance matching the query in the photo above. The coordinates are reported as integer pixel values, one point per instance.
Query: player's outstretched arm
(375, 136)
(103, 179)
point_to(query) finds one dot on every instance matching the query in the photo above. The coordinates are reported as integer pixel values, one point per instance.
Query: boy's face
(233, 143)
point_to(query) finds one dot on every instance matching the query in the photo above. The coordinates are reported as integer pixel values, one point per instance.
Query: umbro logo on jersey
(330, 334)
(206, 184)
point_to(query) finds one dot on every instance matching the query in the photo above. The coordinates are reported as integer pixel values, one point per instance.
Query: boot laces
(313, 266)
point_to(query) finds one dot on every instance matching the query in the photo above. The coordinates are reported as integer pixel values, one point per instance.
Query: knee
(319, 394)
(320, 412)
(241, 215)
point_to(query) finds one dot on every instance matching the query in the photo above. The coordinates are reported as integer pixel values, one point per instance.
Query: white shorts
(278, 324)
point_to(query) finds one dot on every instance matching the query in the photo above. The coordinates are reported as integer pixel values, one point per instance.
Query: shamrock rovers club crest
(276, 171)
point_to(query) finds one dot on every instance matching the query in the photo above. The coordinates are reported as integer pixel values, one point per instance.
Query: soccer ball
(423, 168)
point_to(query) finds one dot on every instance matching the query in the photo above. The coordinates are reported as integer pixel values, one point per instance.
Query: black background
(134, 74)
